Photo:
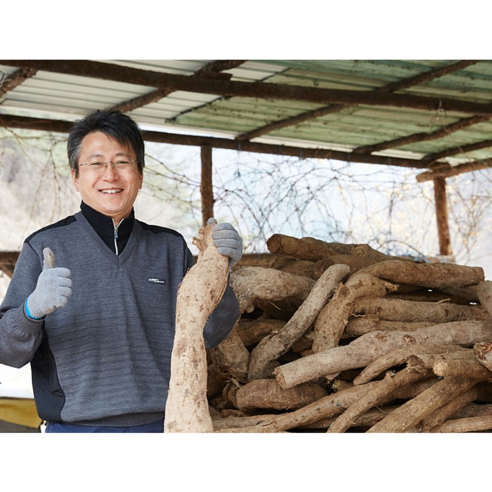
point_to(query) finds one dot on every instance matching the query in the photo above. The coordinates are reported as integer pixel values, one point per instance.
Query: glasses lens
(122, 165)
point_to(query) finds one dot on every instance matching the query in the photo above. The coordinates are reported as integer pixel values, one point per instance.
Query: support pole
(206, 189)
(442, 217)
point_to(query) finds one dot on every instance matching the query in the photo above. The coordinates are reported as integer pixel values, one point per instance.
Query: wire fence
(260, 194)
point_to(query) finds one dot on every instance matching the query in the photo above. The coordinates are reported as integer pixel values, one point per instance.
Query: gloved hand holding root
(227, 241)
(53, 289)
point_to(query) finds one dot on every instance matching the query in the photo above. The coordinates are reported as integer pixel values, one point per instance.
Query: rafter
(17, 78)
(222, 143)
(430, 159)
(226, 88)
(335, 108)
(423, 136)
(212, 69)
(446, 171)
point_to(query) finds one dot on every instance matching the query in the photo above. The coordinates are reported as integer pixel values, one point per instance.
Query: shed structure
(432, 115)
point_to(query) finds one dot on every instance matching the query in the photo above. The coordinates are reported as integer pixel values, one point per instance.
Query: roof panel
(70, 94)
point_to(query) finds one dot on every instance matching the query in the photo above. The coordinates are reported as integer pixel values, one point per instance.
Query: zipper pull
(116, 236)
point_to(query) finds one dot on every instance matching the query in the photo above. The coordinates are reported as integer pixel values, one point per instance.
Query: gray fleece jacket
(104, 359)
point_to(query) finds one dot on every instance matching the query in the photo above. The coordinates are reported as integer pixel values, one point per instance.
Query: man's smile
(111, 191)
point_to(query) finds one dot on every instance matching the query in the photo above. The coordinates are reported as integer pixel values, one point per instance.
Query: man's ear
(75, 179)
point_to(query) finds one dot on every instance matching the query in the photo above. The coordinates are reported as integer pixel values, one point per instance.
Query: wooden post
(206, 189)
(442, 217)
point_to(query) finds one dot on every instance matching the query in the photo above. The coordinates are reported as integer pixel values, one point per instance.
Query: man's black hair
(114, 124)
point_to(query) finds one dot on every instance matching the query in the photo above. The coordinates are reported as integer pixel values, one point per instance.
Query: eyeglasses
(121, 165)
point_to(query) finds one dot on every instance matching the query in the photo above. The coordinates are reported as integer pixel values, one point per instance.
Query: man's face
(111, 192)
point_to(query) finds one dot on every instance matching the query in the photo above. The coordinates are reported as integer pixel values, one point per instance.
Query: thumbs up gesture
(53, 288)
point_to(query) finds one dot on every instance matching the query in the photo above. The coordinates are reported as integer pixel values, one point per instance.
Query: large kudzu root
(199, 293)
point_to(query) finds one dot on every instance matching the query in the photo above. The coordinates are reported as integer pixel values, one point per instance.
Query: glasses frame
(89, 165)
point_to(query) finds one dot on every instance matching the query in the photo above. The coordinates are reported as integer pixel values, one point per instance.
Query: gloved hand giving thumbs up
(53, 289)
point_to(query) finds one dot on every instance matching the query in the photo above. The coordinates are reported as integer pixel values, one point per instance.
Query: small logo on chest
(155, 280)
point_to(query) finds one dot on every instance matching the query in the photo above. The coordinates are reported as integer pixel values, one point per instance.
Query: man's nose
(109, 170)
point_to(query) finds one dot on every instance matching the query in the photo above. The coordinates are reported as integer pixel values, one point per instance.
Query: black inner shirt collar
(105, 227)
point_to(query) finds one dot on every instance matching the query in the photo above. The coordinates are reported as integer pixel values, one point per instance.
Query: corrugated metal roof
(69, 94)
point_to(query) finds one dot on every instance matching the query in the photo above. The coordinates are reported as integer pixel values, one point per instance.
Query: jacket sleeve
(20, 336)
(222, 320)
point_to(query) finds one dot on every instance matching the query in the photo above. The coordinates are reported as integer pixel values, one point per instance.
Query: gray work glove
(227, 241)
(53, 289)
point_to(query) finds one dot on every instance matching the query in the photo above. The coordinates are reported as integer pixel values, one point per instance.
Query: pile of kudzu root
(343, 338)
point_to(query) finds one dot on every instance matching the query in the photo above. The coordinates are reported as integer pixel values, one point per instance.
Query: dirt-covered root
(375, 397)
(299, 248)
(408, 415)
(231, 357)
(323, 408)
(272, 347)
(467, 367)
(439, 416)
(251, 284)
(333, 319)
(367, 348)
(471, 424)
(357, 327)
(399, 356)
(413, 311)
(483, 353)
(252, 332)
(428, 275)
(484, 293)
(267, 394)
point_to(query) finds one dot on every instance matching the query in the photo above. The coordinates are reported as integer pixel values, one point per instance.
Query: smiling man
(96, 321)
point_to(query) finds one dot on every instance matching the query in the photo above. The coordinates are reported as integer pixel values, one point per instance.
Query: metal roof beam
(108, 71)
(212, 69)
(222, 143)
(392, 87)
(10, 82)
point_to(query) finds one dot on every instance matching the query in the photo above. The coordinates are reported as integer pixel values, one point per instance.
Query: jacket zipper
(116, 236)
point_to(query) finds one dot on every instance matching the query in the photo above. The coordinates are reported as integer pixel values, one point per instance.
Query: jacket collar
(104, 225)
